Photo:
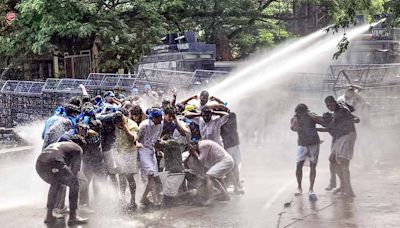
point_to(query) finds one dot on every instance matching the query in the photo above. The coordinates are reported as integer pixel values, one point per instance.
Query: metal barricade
(166, 77)
(205, 77)
(380, 85)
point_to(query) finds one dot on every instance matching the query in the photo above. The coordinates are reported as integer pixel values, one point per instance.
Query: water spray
(282, 63)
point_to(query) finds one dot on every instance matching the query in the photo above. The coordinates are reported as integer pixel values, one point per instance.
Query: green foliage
(243, 26)
(344, 12)
(392, 7)
(123, 30)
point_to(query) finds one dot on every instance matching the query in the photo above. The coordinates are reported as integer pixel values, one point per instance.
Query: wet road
(268, 186)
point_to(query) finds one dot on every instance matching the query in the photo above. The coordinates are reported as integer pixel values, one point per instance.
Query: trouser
(333, 166)
(234, 175)
(110, 166)
(92, 171)
(130, 178)
(60, 197)
(345, 183)
(56, 180)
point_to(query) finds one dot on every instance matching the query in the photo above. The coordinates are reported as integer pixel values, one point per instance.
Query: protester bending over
(59, 165)
(218, 164)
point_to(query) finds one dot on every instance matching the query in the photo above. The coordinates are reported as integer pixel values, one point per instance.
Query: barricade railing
(22, 87)
(65, 85)
(96, 78)
(51, 84)
(1, 84)
(166, 77)
(368, 76)
(204, 77)
(335, 69)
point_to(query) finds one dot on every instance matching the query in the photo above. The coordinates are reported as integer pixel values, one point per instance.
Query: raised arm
(83, 89)
(218, 107)
(192, 115)
(181, 127)
(220, 113)
(212, 98)
(184, 102)
(174, 94)
(116, 101)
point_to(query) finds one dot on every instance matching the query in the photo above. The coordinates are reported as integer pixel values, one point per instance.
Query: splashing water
(22, 186)
(31, 133)
(270, 57)
(298, 55)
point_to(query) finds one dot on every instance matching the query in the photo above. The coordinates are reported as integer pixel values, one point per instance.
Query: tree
(343, 14)
(237, 27)
(392, 8)
(241, 27)
(123, 30)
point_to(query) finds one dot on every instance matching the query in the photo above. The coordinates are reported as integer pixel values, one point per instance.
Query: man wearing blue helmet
(62, 125)
(111, 103)
(58, 113)
(93, 166)
(149, 132)
(109, 123)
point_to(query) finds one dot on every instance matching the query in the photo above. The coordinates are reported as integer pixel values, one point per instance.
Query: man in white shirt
(149, 132)
(210, 123)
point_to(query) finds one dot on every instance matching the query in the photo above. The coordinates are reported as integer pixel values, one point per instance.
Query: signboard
(160, 47)
(184, 46)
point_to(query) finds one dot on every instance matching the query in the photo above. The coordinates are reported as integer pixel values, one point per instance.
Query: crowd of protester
(184, 152)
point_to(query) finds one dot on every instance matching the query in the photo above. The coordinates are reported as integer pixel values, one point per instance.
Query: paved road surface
(268, 186)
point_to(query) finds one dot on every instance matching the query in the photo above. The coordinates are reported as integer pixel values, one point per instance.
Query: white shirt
(149, 133)
(212, 129)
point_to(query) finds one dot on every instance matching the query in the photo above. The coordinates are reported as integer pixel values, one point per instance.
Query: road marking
(269, 203)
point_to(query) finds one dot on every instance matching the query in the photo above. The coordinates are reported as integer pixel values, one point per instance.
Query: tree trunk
(224, 50)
